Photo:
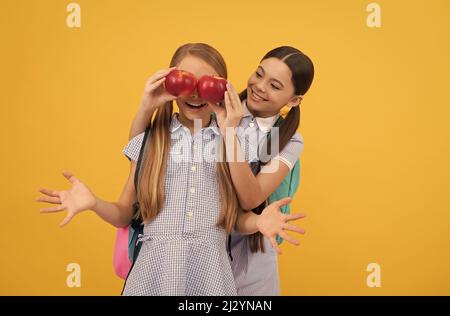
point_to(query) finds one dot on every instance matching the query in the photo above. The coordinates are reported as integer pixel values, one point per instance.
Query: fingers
(53, 209)
(234, 98)
(294, 217)
(228, 105)
(157, 83)
(53, 200)
(230, 93)
(288, 238)
(158, 75)
(66, 220)
(275, 245)
(283, 201)
(230, 88)
(49, 192)
(69, 176)
(293, 228)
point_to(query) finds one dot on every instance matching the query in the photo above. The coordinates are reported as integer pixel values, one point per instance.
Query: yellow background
(375, 168)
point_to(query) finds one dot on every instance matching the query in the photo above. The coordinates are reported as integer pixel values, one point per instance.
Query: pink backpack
(126, 248)
(122, 262)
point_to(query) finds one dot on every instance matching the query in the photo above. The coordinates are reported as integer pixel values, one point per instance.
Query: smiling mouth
(256, 96)
(195, 106)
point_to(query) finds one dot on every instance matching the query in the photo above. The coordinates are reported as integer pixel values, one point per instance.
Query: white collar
(264, 123)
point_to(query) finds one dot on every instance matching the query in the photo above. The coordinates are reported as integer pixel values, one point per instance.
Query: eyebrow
(272, 78)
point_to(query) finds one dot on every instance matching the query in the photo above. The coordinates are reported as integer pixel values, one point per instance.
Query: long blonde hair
(150, 193)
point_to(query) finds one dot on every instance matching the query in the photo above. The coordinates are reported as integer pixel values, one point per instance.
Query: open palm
(77, 199)
(273, 222)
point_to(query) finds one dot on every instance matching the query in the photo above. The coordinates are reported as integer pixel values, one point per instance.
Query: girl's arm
(119, 213)
(264, 183)
(140, 121)
(80, 198)
(270, 223)
(154, 96)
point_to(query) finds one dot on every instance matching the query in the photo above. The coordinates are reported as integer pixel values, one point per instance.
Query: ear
(295, 101)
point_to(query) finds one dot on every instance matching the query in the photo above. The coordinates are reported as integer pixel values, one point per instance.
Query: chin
(196, 116)
(203, 114)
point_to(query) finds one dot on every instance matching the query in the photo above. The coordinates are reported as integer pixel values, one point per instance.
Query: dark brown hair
(302, 70)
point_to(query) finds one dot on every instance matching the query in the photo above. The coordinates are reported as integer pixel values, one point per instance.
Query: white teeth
(196, 105)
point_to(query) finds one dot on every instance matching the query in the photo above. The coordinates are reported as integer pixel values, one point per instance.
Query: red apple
(211, 88)
(180, 83)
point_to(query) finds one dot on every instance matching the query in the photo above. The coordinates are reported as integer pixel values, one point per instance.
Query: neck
(263, 114)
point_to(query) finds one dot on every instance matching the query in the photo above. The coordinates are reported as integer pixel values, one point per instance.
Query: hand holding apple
(231, 114)
(154, 93)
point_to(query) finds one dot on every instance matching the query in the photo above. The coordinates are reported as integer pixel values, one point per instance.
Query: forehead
(196, 66)
(277, 69)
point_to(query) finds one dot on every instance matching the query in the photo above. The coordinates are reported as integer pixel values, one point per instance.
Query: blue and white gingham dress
(183, 252)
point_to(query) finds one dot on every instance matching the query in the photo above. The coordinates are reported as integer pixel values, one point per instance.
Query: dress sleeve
(133, 148)
(291, 152)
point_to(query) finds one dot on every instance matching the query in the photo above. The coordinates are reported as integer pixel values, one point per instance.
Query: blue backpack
(287, 188)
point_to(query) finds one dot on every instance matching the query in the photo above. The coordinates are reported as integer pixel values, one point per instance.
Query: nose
(260, 87)
(194, 96)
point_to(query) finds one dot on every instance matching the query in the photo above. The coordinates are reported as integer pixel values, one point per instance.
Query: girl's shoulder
(295, 144)
(133, 148)
(296, 138)
(292, 151)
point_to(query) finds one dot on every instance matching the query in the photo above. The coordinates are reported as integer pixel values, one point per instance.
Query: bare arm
(246, 223)
(119, 213)
(154, 96)
(141, 121)
(80, 198)
(262, 185)
(270, 223)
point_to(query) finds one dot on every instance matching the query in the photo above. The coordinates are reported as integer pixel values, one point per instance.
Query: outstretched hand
(273, 222)
(77, 199)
